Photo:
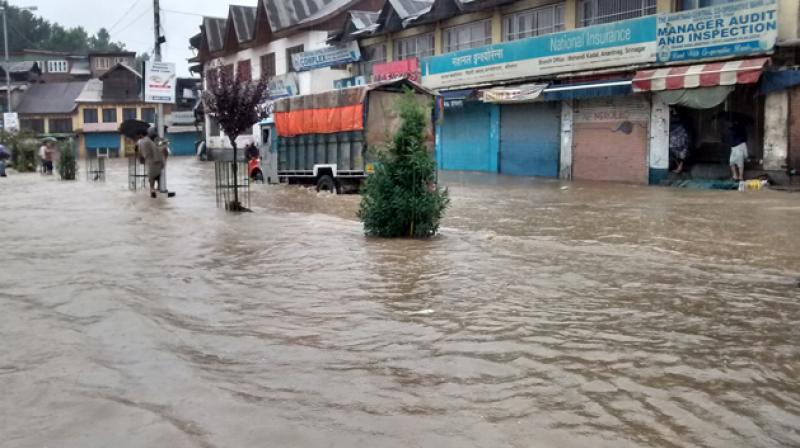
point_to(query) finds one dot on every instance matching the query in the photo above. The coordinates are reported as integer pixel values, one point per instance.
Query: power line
(125, 14)
(139, 17)
(183, 12)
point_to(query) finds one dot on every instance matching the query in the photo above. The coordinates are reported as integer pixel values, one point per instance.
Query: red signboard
(407, 68)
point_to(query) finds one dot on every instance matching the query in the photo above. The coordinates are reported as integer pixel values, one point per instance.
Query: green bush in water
(401, 198)
(23, 147)
(67, 162)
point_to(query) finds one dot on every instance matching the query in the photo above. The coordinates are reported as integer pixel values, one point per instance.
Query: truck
(331, 139)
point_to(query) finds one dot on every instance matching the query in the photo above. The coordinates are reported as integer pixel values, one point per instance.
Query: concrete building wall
(794, 129)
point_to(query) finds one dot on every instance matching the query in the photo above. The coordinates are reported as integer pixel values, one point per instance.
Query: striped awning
(746, 71)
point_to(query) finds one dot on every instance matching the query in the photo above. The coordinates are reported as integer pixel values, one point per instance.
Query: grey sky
(134, 21)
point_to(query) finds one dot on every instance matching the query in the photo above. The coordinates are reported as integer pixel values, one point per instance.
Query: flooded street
(545, 315)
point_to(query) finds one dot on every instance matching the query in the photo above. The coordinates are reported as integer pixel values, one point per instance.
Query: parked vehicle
(331, 139)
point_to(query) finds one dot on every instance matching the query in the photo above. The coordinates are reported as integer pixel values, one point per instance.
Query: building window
(110, 115)
(226, 72)
(60, 125)
(213, 127)
(149, 114)
(90, 115)
(371, 55)
(212, 76)
(129, 113)
(244, 72)
(685, 5)
(33, 124)
(102, 63)
(414, 47)
(593, 12)
(268, 66)
(291, 51)
(533, 22)
(470, 35)
(57, 67)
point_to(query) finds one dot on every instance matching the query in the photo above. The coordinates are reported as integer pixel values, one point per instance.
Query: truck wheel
(327, 183)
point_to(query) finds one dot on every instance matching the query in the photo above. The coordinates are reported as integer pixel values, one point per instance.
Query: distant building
(100, 63)
(55, 66)
(48, 109)
(104, 104)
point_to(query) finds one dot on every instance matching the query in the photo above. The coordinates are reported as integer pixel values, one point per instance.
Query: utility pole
(162, 183)
(8, 62)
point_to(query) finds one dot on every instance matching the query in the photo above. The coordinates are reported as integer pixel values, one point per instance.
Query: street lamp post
(4, 9)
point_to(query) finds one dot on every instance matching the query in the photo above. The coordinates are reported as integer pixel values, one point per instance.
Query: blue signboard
(619, 43)
(327, 57)
(735, 29)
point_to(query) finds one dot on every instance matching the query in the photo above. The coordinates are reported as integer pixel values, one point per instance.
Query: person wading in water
(153, 156)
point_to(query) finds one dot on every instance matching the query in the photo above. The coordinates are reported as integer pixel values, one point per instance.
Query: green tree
(402, 198)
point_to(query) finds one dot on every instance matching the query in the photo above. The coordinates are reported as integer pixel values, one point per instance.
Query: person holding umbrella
(4, 155)
(153, 156)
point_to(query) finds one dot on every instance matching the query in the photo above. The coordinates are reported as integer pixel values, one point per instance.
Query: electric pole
(162, 183)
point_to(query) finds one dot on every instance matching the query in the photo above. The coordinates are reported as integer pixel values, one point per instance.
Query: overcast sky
(131, 21)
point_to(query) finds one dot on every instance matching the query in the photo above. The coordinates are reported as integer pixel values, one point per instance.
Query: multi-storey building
(585, 89)
(270, 40)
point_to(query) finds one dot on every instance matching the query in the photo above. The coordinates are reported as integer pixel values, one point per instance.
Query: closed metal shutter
(465, 142)
(530, 141)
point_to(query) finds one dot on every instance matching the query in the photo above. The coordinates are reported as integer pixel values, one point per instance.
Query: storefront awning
(588, 90)
(525, 93)
(746, 71)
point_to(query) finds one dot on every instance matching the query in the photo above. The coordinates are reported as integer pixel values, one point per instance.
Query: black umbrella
(133, 128)
(4, 154)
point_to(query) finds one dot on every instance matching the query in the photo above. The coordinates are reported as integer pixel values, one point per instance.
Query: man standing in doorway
(738, 143)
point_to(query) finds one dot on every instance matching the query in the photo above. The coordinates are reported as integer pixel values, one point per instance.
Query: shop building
(584, 89)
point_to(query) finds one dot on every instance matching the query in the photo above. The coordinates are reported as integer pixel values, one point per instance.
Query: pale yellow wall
(497, 27)
(663, 6)
(571, 14)
(788, 20)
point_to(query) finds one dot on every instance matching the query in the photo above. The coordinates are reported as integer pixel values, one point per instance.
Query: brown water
(582, 315)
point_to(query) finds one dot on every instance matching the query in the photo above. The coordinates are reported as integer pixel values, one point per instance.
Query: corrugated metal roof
(284, 14)
(80, 68)
(51, 98)
(244, 22)
(19, 67)
(215, 28)
(92, 92)
(362, 20)
(411, 9)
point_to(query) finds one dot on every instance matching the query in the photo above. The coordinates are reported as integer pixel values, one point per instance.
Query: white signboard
(732, 29)
(327, 57)
(159, 82)
(11, 122)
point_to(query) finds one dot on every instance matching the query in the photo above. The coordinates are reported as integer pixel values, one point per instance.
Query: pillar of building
(497, 27)
(659, 140)
(438, 46)
(570, 14)
(664, 6)
(565, 169)
(776, 131)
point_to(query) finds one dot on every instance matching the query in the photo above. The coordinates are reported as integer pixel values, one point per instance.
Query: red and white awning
(746, 71)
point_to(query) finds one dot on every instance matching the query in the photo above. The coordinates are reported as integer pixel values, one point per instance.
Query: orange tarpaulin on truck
(320, 121)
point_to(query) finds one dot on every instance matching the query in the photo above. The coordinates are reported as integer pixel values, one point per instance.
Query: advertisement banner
(159, 82)
(408, 68)
(736, 29)
(283, 86)
(614, 44)
(512, 95)
(10, 122)
(327, 57)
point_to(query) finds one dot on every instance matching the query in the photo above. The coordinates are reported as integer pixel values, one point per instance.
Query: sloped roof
(92, 92)
(80, 68)
(410, 9)
(20, 67)
(120, 66)
(215, 28)
(244, 22)
(362, 20)
(51, 98)
(283, 14)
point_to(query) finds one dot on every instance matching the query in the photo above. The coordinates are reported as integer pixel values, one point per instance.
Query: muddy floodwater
(545, 315)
